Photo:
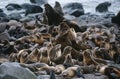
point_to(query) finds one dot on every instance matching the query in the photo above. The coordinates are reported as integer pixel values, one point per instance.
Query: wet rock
(103, 7)
(15, 71)
(4, 36)
(116, 19)
(77, 13)
(92, 19)
(40, 2)
(108, 15)
(1, 10)
(4, 19)
(15, 16)
(74, 8)
(31, 9)
(2, 14)
(13, 6)
(3, 27)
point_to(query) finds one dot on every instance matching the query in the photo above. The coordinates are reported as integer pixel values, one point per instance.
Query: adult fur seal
(54, 18)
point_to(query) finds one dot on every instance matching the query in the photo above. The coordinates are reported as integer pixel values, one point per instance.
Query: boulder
(77, 13)
(2, 14)
(1, 10)
(13, 6)
(75, 8)
(15, 71)
(116, 19)
(31, 9)
(40, 2)
(103, 7)
(15, 16)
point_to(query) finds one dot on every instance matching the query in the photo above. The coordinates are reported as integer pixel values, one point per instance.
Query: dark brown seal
(54, 18)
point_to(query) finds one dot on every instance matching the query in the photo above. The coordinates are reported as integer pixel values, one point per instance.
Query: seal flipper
(52, 75)
(79, 73)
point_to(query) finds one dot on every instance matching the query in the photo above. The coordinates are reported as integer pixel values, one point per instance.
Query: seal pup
(87, 59)
(34, 66)
(68, 61)
(59, 69)
(72, 72)
(34, 55)
(60, 60)
(55, 52)
(102, 53)
(22, 56)
(58, 8)
(54, 18)
(44, 55)
(109, 70)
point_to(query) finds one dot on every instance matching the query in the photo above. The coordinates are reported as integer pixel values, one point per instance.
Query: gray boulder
(75, 8)
(13, 6)
(15, 71)
(15, 16)
(103, 7)
(40, 2)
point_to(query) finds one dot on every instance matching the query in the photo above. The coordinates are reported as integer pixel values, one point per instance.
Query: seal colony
(59, 47)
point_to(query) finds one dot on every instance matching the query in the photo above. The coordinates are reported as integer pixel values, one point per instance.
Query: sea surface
(88, 5)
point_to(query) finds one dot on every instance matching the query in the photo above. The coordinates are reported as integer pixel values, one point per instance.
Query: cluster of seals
(58, 47)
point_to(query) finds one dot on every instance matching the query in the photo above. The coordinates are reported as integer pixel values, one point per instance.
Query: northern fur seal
(58, 8)
(54, 18)
(60, 60)
(55, 52)
(87, 59)
(72, 72)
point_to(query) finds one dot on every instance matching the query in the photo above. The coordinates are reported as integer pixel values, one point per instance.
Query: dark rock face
(1, 10)
(116, 19)
(39, 1)
(75, 8)
(2, 14)
(15, 71)
(103, 7)
(13, 6)
(33, 9)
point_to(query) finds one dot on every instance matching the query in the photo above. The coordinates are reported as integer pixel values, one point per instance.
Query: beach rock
(13, 6)
(108, 15)
(15, 16)
(103, 7)
(116, 19)
(77, 13)
(40, 2)
(1, 10)
(15, 71)
(92, 19)
(5, 35)
(74, 8)
(2, 14)
(3, 27)
(31, 9)
(4, 19)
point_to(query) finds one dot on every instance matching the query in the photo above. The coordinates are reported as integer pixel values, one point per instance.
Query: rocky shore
(59, 42)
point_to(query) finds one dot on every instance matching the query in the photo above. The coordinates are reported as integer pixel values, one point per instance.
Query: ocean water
(88, 5)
